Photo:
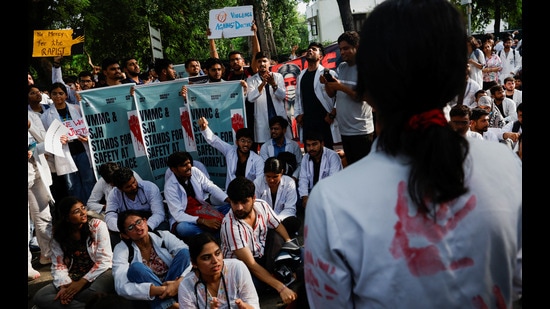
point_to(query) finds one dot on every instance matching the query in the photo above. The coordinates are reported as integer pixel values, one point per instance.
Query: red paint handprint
(479, 303)
(133, 121)
(237, 122)
(325, 291)
(186, 123)
(423, 261)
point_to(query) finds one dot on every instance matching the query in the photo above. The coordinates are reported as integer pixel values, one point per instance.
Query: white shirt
(176, 196)
(267, 150)
(285, 199)
(330, 164)
(148, 198)
(254, 165)
(100, 191)
(367, 247)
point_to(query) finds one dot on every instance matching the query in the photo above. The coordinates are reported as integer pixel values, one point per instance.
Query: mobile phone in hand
(328, 76)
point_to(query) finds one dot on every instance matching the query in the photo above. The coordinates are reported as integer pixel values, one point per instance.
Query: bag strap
(128, 242)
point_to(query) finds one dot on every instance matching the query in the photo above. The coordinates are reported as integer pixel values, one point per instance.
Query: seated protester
(147, 265)
(319, 162)
(511, 132)
(129, 193)
(81, 258)
(479, 122)
(279, 191)
(198, 164)
(207, 197)
(460, 121)
(496, 120)
(215, 282)
(184, 191)
(239, 159)
(104, 185)
(279, 143)
(244, 232)
(507, 107)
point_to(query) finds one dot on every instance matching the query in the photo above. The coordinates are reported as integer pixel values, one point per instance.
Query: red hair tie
(425, 119)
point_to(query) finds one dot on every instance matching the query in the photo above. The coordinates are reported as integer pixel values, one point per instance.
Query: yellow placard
(50, 43)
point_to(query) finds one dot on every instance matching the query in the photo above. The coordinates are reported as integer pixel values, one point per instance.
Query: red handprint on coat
(425, 261)
(479, 303)
(325, 291)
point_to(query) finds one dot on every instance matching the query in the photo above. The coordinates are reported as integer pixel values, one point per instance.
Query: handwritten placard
(231, 22)
(76, 128)
(50, 43)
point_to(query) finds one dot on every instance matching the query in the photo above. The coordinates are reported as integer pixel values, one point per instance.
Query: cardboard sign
(50, 43)
(231, 22)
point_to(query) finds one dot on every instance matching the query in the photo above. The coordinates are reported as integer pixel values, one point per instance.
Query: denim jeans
(81, 182)
(139, 273)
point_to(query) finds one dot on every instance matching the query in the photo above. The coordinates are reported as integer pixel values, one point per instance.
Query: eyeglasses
(245, 141)
(132, 226)
(79, 211)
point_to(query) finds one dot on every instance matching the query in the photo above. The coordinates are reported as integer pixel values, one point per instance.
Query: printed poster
(222, 104)
(114, 128)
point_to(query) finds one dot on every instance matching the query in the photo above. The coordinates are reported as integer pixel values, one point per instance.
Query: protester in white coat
(239, 158)
(76, 164)
(419, 222)
(260, 86)
(40, 179)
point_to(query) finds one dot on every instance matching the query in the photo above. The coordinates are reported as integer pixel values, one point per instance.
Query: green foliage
(289, 28)
(483, 11)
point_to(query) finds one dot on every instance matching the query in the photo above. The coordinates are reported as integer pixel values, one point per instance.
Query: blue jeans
(139, 273)
(81, 182)
(188, 229)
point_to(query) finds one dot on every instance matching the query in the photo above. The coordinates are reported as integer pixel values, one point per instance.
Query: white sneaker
(33, 274)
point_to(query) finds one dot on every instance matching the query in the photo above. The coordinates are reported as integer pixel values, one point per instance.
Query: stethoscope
(206, 290)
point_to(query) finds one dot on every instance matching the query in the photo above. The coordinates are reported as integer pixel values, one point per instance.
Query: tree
(483, 11)
(346, 15)
(120, 29)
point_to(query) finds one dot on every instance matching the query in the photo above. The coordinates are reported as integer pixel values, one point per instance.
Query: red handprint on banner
(237, 122)
(186, 123)
(425, 261)
(133, 121)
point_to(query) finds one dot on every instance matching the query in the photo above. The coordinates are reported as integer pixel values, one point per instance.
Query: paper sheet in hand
(52, 139)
